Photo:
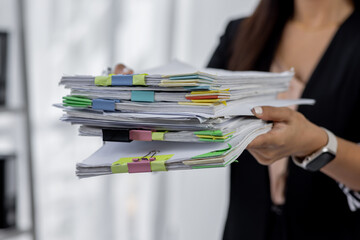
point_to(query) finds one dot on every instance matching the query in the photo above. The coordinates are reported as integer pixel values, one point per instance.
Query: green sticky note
(211, 133)
(68, 103)
(159, 163)
(120, 166)
(78, 99)
(213, 153)
(103, 80)
(139, 79)
(159, 136)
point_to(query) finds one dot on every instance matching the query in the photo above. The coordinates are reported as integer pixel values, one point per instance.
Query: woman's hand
(292, 134)
(122, 69)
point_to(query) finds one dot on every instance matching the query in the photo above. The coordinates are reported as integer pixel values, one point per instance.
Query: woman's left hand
(292, 134)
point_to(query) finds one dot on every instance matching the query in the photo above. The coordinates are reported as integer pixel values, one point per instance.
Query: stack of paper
(172, 117)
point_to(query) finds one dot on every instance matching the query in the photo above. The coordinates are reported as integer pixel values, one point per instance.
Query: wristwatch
(320, 158)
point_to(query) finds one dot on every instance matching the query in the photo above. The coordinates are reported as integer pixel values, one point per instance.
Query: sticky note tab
(158, 136)
(197, 104)
(140, 135)
(103, 80)
(116, 135)
(104, 104)
(214, 153)
(139, 79)
(121, 80)
(142, 96)
(159, 163)
(184, 77)
(139, 167)
(127, 164)
(211, 133)
(76, 101)
(119, 168)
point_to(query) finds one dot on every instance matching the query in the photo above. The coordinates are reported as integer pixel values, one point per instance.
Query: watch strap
(315, 162)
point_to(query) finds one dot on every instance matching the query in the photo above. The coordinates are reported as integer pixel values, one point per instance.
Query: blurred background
(40, 196)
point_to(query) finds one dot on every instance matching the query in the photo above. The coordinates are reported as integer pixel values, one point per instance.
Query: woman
(277, 199)
(321, 39)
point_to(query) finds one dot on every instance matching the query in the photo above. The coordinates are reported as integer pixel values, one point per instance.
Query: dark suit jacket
(315, 208)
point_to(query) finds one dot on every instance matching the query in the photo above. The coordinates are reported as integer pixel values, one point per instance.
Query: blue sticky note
(121, 80)
(104, 104)
(142, 96)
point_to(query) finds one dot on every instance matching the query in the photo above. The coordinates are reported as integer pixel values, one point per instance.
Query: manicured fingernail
(257, 110)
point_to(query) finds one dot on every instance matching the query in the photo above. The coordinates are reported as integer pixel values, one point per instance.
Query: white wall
(85, 37)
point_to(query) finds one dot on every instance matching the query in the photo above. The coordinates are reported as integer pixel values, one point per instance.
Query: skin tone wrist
(314, 139)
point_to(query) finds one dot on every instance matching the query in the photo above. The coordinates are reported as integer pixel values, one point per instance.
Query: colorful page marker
(104, 104)
(142, 96)
(128, 164)
(103, 80)
(116, 135)
(140, 135)
(139, 166)
(76, 101)
(211, 133)
(121, 80)
(139, 79)
(158, 136)
(214, 153)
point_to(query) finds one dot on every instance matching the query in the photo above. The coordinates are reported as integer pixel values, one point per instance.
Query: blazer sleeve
(222, 54)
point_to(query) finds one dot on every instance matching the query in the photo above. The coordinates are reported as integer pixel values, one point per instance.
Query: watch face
(320, 161)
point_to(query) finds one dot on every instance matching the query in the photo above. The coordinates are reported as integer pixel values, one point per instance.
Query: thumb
(276, 114)
(260, 141)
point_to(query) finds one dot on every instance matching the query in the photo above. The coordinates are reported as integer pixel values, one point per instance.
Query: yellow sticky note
(212, 137)
(196, 103)
(159, 136)
(103, 80)
(139, 79)
(159, 163)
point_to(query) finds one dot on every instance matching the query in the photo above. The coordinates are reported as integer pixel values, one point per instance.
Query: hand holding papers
(170, 118)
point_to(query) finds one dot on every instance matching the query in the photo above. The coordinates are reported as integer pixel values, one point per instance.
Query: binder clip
(142, 164)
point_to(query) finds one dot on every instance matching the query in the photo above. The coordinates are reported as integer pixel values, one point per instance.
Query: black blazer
(315, 207)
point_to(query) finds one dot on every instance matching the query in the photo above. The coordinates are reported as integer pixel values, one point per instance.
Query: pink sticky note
(138, 167)
(140, 135)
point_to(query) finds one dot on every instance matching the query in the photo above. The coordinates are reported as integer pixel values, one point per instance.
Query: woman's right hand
(122, 69)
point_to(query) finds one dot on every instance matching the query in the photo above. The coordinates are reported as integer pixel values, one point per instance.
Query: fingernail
(126, 70)
(257, 110)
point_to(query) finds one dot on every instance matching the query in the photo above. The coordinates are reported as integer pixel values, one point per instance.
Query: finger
(122, 69)
(276, 114)
(261, 141)
(263, 160)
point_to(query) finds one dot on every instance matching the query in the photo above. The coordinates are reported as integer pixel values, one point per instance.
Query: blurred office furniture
(7, 191)
(17, 211)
